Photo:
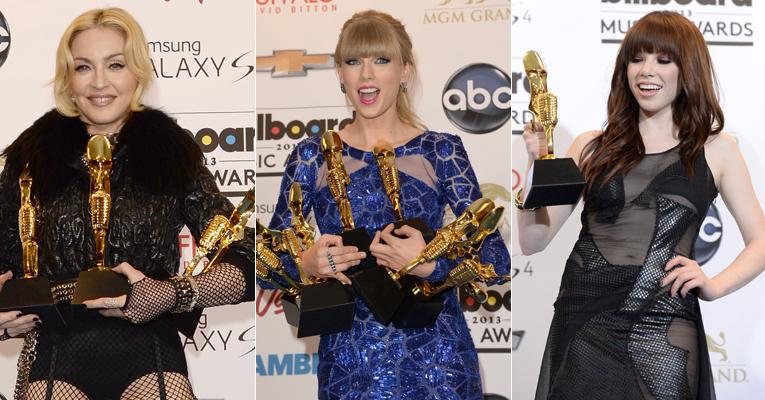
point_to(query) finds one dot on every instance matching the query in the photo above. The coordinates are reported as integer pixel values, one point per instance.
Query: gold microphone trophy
(370, 281)
(552, 181)
(465, 274)
(417, 309)
(99, 281)
(386, 162)
(321, 306)
(237, 223)
(219, 233)
(417, 305)
(30, 293)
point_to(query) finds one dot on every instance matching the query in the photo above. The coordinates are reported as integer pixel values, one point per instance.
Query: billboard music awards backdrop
(204, 62)
(578, 42)
(462, 50)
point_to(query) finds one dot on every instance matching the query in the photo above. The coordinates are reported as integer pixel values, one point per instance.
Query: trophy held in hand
(419, 309)
(218, 235)
(30, 293)
(469, 271)
(99, 281)
(370, 281)
(551, 181)
(386, 162)
(317, 306)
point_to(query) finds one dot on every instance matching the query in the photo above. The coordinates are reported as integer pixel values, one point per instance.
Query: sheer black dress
(616, 333)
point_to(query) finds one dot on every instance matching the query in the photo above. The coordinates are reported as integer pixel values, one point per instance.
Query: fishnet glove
(150, 298)
(224, 284)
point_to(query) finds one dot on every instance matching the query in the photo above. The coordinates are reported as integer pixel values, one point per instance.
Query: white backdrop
(576, 41)
(204, 61)
(474, 32)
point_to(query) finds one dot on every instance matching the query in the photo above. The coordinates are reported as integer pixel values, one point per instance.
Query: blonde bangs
(368, 38)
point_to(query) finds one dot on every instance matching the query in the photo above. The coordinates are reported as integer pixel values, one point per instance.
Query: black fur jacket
(158, 185)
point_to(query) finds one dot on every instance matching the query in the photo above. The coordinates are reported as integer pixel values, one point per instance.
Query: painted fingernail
(36, 319)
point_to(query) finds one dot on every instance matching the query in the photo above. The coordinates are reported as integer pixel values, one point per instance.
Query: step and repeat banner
(462, 48)
(578, 42)
(204, 69)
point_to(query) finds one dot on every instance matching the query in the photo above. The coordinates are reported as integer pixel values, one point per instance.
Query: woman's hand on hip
(686, 274)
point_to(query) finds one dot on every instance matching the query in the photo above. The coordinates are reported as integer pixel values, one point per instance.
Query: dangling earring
(342, 87)
(402, 86)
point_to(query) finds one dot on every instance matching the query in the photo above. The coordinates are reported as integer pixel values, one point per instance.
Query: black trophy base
(419, 224)
(554, 182)
(379, 291)
(93, 284)
(320, 309)
(32, 296)
(358, 237)
(187, 322)
(370, 281)
(417, 310)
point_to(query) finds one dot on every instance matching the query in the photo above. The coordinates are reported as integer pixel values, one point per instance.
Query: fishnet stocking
(175, 387)
(150, 298)
(60, 390)
(171, 386)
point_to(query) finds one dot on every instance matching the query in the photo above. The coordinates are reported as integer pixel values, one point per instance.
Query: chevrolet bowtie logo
(293, 63)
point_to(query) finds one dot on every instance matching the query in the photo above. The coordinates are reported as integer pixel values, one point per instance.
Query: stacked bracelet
(186, 293)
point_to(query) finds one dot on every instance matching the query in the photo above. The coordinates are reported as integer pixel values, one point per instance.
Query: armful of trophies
(219, 234)
(314, 306)
(462, 239)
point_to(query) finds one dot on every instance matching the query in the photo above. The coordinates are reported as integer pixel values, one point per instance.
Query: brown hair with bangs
(376, 34)
(695, 111)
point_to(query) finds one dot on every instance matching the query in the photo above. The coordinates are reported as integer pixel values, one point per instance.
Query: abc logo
(710, 236)
(476, 98)
(5, 39)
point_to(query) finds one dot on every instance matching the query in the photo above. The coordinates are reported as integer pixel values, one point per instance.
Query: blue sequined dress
(373, 361)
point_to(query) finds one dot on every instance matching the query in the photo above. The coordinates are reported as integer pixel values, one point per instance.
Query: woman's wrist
(715, 289)
(186, 293)
(424, 270)
(149, 298)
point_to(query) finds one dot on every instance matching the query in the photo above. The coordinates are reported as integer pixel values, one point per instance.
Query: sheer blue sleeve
(302, 168)
(458, 183)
